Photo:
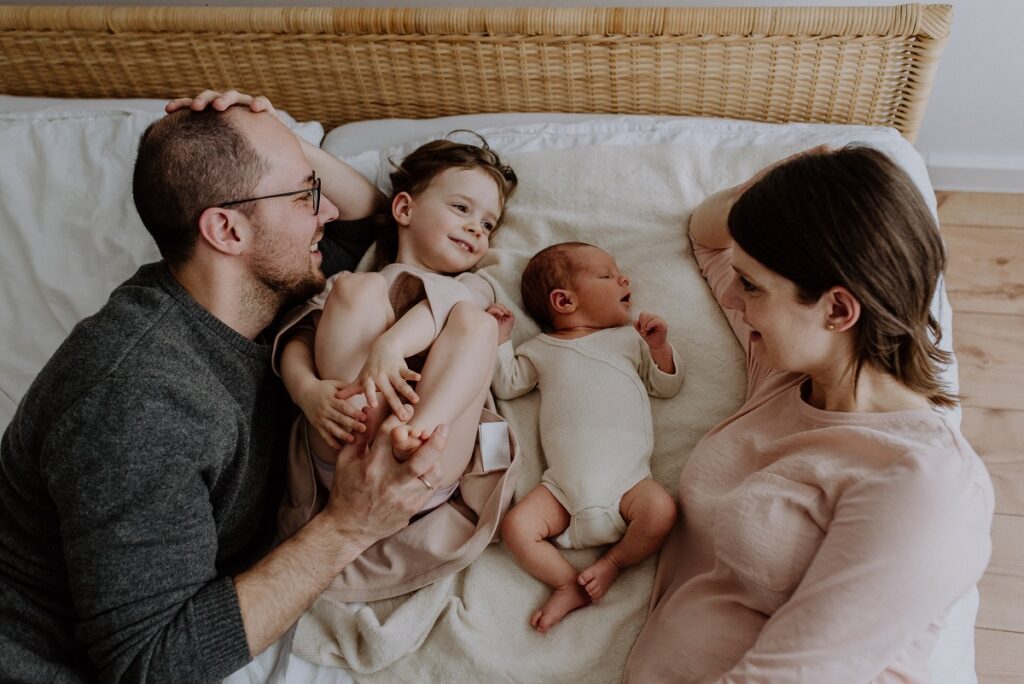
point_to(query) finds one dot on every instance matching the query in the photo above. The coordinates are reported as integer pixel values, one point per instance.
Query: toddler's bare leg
(526, 531)
(649, 512)
(454, 383)
(355, 314)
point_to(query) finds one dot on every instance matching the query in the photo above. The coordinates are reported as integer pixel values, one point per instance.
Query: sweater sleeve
(133, 492)
(514, 374)
(903, 546)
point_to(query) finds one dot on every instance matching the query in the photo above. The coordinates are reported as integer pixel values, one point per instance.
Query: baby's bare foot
(406, 439)
(599, 577)
(563, 600)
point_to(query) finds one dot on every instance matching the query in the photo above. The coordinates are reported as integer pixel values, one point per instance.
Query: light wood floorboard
(998, 437)
(990, 353)
(986, 269)
(984, 235)
(981, 209)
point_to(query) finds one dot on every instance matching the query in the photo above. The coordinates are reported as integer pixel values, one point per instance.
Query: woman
(827, 526)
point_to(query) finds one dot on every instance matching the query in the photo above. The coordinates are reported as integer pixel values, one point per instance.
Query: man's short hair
(188, 162)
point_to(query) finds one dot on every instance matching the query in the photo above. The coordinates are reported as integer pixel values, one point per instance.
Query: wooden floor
(984, 234)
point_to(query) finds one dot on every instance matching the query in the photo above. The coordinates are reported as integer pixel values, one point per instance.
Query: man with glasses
(138, 479)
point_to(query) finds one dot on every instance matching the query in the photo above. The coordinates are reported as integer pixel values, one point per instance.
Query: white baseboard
(976, 173)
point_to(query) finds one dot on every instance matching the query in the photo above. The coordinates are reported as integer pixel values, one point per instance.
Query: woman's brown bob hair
(852, 217)
(426, 162)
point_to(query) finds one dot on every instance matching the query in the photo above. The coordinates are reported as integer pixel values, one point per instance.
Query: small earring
(831, 326)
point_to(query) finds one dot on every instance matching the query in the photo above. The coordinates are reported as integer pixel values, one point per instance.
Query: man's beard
(276, 284)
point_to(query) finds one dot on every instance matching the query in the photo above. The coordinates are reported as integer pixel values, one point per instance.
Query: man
(137, 479)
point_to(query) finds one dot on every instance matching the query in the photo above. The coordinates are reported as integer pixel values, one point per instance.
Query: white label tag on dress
(494, 446)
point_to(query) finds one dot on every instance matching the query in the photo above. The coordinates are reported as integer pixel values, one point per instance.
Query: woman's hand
(385, 371)
(220, 102)
(325, 405)
(506, 320)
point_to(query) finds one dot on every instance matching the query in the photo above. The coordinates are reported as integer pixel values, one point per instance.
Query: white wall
(973, 132)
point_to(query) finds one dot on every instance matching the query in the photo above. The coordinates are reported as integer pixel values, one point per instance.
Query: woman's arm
(709, 223)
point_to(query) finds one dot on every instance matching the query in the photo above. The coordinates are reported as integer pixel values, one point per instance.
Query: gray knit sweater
(135, 479)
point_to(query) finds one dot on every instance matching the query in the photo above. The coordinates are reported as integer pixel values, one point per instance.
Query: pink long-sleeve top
(814, 546)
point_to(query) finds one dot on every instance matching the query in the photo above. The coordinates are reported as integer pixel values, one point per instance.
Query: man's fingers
(177, 103)
(425, 461)
(203, 99)
(261, 103)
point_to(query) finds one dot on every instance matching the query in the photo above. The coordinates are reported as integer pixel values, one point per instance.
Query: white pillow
(313, 131)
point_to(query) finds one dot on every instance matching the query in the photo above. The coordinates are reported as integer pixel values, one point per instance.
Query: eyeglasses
(315, 192)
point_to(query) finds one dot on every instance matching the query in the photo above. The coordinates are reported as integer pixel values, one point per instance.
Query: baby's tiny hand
(506, 320)
(336, 419)
(652, 329)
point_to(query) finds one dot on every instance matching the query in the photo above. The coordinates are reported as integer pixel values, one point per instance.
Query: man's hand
(506, 320)
(220, 102)
(373, 495)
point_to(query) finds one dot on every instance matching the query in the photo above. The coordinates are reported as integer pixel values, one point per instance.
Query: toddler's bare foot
(563, 600)
(406, 439)
(599, 577)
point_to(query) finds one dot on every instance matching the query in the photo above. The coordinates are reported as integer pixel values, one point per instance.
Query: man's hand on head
(220, 102)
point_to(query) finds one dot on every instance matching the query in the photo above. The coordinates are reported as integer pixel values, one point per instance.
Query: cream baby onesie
(595, 420)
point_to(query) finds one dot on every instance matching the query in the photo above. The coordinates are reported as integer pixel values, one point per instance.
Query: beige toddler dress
(446, 539)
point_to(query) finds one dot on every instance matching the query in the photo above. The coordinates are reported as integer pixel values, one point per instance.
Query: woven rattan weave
(867, 65)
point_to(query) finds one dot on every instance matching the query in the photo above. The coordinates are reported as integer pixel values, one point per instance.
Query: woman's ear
(843, 309)
(401, 208)
(562, 302)
(225, 230)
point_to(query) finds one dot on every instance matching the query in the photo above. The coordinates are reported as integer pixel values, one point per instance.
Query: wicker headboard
(868, 65)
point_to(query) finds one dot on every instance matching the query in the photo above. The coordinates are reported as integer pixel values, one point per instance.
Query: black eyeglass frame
(315, 190)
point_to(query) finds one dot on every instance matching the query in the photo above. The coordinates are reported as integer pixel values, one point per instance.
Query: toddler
(594, 372)
(355, 338)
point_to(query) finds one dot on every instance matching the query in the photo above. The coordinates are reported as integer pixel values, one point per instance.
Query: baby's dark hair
(425, 163)
(550, 269)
